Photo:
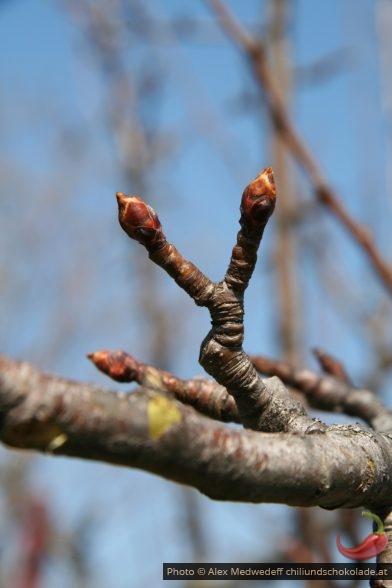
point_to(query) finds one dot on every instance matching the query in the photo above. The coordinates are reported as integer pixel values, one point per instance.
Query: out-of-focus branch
(345, 467)
(289, 311)
(332, 366)
(330, 394)
(385, 556)
(309, 544)
(288, 314)
(211, 399)
(255, 53)
(139, 143)
(35, 541)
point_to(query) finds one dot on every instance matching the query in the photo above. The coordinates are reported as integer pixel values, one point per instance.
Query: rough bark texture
(333, 394)
(287, 458)
(221, 352)
(346, 466)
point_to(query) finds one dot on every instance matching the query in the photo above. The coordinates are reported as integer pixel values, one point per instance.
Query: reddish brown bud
(139, 220)
(118, 365)
(331, 365)
(258, 199)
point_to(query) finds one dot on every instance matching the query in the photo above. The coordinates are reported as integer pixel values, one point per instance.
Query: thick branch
(345, 467)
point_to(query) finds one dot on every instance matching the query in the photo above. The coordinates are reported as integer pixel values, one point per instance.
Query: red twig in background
(256, 54)
(347, 466)
(34, 544)
(332, 366)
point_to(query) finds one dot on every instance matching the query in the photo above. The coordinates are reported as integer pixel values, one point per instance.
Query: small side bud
(118, 365)
(139, 221)
(258, 199)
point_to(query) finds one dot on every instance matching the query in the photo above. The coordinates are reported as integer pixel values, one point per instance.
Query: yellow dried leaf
(162, 413)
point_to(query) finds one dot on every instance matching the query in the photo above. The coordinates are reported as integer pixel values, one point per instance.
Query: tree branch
(331, 365)
(256, 55)
(328, 393)
(260, 407)
(344, 467)
(206, 396)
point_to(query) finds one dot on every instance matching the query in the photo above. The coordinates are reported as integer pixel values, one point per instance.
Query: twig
(213, 400)
(204, 395)
(260, 406)
(255, 53)
(329, 394)
(332, 366)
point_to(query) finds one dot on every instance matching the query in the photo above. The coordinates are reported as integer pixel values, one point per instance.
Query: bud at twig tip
(258, 199)
(139, 220)
(118, 365)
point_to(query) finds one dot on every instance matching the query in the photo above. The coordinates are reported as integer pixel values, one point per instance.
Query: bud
(139, 220)
(258, 199)
(118, 365)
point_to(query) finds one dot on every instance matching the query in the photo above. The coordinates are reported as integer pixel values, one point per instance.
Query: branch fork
(261, 406)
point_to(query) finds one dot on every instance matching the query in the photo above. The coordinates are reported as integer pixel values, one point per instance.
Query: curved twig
(260, 406)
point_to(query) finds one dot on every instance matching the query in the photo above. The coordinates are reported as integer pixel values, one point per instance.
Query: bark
(221, 352)
(345, 466)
